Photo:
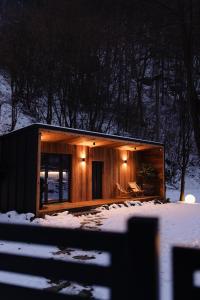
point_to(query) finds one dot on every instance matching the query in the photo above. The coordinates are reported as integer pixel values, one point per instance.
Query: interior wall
(115, 170)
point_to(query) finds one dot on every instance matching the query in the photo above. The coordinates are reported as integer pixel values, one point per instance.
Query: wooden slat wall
(114, 168)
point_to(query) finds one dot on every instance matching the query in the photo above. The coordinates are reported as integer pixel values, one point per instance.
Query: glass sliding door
(55, 175)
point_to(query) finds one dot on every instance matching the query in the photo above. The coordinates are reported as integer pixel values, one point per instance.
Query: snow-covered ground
(179, 225)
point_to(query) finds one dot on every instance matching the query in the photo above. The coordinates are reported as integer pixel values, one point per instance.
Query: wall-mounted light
(94, 143)
(83, 159)
(125, 161)
(42, 136)
(135, 148)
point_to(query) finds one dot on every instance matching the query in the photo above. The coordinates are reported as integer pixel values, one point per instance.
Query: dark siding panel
(18, 156)
(5, 181)
(26, 166)
(20, 171)
(11, 156)
(2, 181)
(31, 170)
(1, 171)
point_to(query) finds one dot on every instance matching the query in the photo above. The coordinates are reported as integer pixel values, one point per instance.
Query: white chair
(134, 187)
(123, 192)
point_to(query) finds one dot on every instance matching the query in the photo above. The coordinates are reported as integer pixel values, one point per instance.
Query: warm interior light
(125, 161)
(190, 199)
(94, 143)
(83, 159)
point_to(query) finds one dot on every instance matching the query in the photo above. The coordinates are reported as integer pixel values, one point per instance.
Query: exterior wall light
(190, 199)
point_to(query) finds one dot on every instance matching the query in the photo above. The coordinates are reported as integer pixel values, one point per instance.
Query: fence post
(185, 262)
(142, 259)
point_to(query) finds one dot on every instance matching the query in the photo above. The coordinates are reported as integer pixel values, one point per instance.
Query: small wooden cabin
(46, 168)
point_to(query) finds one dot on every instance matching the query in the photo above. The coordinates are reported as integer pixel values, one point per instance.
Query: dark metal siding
(18, 160)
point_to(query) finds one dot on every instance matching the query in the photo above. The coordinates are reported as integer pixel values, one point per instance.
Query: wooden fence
(131, 274)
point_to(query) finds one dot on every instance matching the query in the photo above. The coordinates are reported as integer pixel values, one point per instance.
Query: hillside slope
(6, 109)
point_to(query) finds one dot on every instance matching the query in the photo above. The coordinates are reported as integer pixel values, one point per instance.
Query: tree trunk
(49, 108)
(187, 40)
(182, 189)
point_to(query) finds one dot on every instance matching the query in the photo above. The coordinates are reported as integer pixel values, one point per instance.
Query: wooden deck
(56, 207)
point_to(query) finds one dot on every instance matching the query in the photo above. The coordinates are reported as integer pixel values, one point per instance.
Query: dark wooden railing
(132, 273)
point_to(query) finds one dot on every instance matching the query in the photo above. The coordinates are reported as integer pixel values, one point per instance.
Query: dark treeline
(122, 66)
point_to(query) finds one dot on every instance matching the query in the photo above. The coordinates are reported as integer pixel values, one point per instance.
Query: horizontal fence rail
(9, 292)
(133, 260)
(82, 239)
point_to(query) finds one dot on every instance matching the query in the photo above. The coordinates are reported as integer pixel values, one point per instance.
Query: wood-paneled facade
(20, 165)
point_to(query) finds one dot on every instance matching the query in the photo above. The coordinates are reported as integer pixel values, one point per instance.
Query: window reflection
(55, 178)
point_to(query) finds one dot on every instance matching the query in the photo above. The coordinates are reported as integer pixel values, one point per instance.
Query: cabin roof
(53, 128)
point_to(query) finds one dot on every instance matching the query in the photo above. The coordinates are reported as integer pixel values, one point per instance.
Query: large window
(55, 175)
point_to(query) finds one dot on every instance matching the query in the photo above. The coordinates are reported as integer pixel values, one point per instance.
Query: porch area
(78, 170)
(75, 206)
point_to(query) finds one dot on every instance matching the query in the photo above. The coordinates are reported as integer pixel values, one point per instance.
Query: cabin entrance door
(55, 178)
(97, 179)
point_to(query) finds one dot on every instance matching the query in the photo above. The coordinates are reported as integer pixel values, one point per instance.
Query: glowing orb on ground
(190, 199)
